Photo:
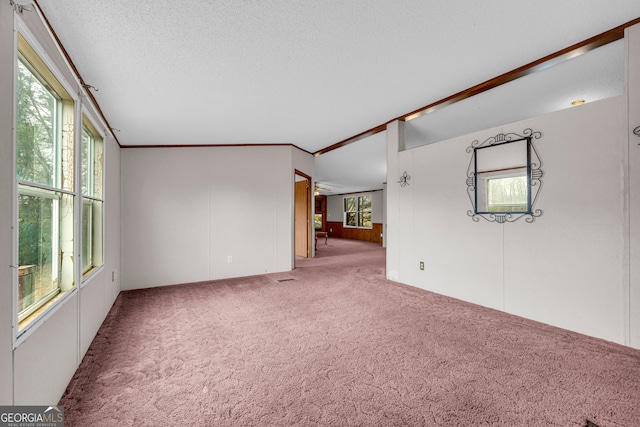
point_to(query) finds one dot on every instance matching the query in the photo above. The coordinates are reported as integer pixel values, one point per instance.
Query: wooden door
(301, 218)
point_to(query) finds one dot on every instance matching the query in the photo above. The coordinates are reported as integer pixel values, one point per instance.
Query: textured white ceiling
(309, 73)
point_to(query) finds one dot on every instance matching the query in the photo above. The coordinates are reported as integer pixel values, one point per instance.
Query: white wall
(186, 210)
(395, 241)
(40, 366)
(6, 193)
(99, 292)
(632, 36)
(304, 162)
(335, 206)
(45, 362)
(384, 215)
(567, 268)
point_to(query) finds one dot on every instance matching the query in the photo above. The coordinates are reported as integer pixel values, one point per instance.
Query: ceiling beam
(555, 58)
(355, 138)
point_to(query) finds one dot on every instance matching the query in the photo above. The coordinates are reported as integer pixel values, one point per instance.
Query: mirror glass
(502, 178)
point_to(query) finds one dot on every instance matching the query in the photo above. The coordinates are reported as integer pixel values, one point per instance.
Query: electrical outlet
(229, 258)
(421, 265)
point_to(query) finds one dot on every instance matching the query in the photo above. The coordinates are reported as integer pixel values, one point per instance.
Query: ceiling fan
(317, 188)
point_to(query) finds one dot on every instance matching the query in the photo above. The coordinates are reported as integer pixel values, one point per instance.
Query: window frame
(28, 50)
(358, 212)
(88, 125)
(55, 123)
(48, 194)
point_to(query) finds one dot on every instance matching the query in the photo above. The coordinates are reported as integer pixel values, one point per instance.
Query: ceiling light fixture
(413, 116)
(577, 102)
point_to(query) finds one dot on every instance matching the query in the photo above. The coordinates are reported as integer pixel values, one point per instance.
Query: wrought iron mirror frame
(534, 177)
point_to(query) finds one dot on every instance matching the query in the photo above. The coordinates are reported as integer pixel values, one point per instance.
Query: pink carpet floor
(333, 343)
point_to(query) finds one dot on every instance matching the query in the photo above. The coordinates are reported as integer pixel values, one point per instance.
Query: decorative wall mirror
(504, 178)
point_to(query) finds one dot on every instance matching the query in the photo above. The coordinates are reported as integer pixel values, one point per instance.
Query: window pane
(86, 234)
(364, 203)
(86, 169)
(350, 219)
(507, 194)
(350, 204)
(37, 247)
(35, 132)
(98, 172)
(317, 221)
(91, 161)
(67, 146)
(97, 233)
(364, 219)
(91, 234)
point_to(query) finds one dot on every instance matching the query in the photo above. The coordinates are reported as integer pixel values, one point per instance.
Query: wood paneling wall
(367, 234)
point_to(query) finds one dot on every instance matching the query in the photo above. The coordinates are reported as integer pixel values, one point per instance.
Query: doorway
(302, 215)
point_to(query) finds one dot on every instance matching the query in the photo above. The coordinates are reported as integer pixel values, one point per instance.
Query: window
(507, 194)
(92, 202)
(44, 174)
(357, 212)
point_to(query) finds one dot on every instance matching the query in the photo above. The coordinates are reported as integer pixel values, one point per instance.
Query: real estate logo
(31, 416)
